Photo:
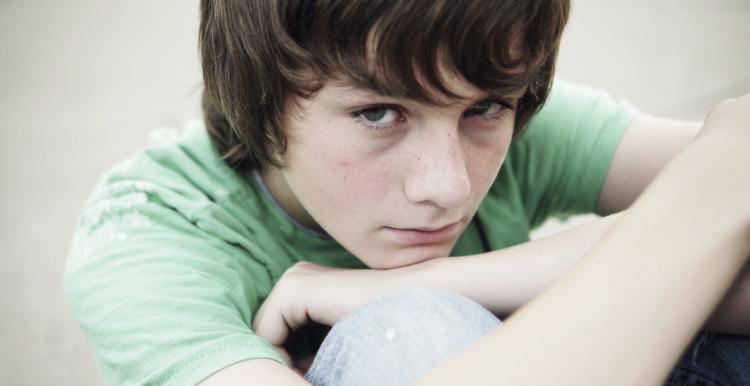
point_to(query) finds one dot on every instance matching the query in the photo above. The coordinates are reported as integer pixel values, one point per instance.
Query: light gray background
(83, 82)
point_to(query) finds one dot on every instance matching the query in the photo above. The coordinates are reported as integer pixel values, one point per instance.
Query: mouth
(425, 235)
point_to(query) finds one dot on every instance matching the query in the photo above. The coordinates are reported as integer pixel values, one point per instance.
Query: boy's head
(257, 54)
(379, 121)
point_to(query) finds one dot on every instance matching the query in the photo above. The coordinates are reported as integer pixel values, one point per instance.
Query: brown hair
(257, 53)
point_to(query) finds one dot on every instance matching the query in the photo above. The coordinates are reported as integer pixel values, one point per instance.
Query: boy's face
(393, 181)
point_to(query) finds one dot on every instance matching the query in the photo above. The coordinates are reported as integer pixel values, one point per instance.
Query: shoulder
(179, 186)
(183, 162)
(180, 170)
(168, 246)
(558, 164)
(574, 110)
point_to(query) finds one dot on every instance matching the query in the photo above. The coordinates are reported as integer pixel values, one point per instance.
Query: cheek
(483, 161)
(338, 178)
(361, 180)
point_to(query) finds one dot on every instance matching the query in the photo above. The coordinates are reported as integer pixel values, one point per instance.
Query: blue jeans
(398, 338)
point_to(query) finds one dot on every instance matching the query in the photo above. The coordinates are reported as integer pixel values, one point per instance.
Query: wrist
(424, 274)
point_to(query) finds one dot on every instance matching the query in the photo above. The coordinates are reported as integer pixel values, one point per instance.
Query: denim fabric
(396, 339)
(714, 359)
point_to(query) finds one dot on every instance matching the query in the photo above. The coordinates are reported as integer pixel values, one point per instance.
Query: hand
(713, 168)
(726, 135)
(728, 118)
(309, 292)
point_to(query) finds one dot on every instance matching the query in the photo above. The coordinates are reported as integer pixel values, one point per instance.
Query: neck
(280, 191)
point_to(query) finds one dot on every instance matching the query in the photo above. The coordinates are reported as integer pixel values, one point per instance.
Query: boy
(350, 134)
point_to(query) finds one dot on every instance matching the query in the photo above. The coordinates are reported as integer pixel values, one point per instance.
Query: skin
(367, 177)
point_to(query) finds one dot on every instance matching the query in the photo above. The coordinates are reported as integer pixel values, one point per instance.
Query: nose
(438, 173)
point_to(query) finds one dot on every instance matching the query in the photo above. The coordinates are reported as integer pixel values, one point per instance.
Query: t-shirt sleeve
(562, 158)
(162, 299)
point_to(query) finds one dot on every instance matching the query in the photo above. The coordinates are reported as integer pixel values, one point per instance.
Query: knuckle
(287, 282)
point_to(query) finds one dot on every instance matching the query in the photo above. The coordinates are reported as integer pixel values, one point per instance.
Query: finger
(270, 325)
(259, 315)
(726, 102)
(720, 106)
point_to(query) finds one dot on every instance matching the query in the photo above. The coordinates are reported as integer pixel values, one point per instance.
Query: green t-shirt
(175, 251)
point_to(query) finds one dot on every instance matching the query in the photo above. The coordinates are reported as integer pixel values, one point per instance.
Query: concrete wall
(83, 82)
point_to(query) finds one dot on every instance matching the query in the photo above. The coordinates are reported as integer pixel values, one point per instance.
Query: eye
(380, 118)
(488, 109)
(379, 114)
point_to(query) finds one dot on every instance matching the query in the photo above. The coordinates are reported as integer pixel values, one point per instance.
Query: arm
(521, 272)
(582, 334)
(504, 280)
(648, 144)
(264, 371)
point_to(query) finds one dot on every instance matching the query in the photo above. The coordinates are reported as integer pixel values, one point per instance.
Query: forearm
(612, 318)
(504, 280)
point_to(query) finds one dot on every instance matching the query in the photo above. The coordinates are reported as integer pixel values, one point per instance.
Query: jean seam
(703, 341)
(314, 369)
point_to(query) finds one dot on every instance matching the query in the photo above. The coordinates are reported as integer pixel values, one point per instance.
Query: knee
(421, 312)
(418, 327)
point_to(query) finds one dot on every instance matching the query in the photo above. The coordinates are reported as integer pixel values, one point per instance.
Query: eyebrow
(350, 86)
(346, 87)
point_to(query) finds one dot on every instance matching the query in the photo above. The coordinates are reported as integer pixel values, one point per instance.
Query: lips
(425, 235)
